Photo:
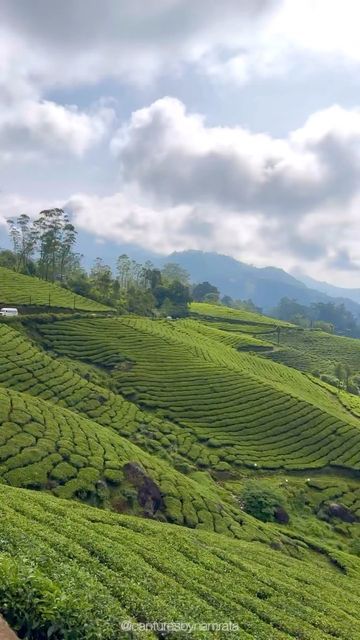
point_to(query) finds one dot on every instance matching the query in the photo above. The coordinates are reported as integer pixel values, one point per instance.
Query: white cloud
(30, 127)
(177, 159)
(187, 184)
(87, 40)
(295, 197)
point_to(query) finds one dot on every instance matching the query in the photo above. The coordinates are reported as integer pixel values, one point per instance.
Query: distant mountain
(265, 286)
(329, 289)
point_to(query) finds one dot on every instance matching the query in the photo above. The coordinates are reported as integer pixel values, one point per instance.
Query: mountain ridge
(264, 285)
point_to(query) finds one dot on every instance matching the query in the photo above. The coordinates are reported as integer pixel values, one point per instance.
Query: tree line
(328, 316)
(45, 247)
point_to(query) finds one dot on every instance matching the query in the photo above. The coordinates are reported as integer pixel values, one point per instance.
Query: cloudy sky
(231, 126)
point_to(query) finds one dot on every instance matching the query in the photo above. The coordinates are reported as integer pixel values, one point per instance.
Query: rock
(336, 510)
(134, 472)
(149, 494)
(281, 516)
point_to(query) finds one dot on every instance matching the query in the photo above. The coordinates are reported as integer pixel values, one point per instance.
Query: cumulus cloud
(163, 229)
(177, 159)
(186, 184)
(88, 40)
(289, 201)
(30, 127)
(50, 45)
(85, 40)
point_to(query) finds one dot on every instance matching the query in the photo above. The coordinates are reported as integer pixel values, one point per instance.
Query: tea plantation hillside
(317, 350)
(26, 368)
(25, 291)
(49, 448)
(93, 574)
(159, 470)
(248, 410)
(220, 313)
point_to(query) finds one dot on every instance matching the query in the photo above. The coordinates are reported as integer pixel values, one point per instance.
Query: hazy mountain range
(265, 286)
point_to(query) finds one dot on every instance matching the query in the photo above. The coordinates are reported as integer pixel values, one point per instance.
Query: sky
(229, 126)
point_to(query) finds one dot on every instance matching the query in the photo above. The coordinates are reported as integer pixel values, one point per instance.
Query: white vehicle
(9, 311)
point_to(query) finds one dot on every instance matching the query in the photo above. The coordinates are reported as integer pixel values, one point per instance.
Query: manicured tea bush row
(237, 340)
(233, 327)
(82, 572)
(302, 360)
(350, 402)
(339, 492)
(45, 447)
(313, 349)
(219, 312)
(208, 348)
(25, 368)
(248, 409)
(106, 340)
(18, 289)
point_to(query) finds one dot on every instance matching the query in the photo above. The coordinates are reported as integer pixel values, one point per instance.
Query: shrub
(261, 503)
(335, 382)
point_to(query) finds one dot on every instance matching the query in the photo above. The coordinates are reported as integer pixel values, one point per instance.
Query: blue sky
(171, 125)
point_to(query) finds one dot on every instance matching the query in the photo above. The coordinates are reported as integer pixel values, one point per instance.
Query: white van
(9, 311)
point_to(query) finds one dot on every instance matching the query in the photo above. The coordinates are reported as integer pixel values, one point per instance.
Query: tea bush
(68, 571)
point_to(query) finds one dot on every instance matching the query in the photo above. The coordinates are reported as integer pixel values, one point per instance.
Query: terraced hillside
(24, 291)
(45, 447)
(81, 389)
(153, 431)
(317, 350)
(220, 313)
(97, 575)
(248, 410)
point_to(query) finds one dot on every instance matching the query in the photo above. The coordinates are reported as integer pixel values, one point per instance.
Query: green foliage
(172, 272)
(314, 350)
(254, 410)
(327, 316)
(69, 571)
(204, 416)
(22, 290)
(261, 502)
(203, 290)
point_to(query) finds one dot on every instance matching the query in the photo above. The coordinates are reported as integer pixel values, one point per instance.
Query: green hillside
(316, 350)
(88, 571)
(239, 316)
(48, 448)
(246, 409)
(18, 289)
(128, 446)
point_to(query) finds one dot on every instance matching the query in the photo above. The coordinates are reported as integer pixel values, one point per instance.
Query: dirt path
(5, 631)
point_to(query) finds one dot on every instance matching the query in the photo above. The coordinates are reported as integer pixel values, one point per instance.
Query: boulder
(337, 510)
(149, 494)
(281, 516)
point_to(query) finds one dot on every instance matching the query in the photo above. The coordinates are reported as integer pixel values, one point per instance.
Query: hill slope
(265, 286)
(153, 431)
(311, 350)
(68, 566)
(247, 409)
(25, 291)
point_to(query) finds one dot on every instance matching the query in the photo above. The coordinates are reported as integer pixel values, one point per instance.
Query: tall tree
(56, 237)
(101, 279)
(24, 239)
(123, 269)
(172, 271)
(201, 290)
